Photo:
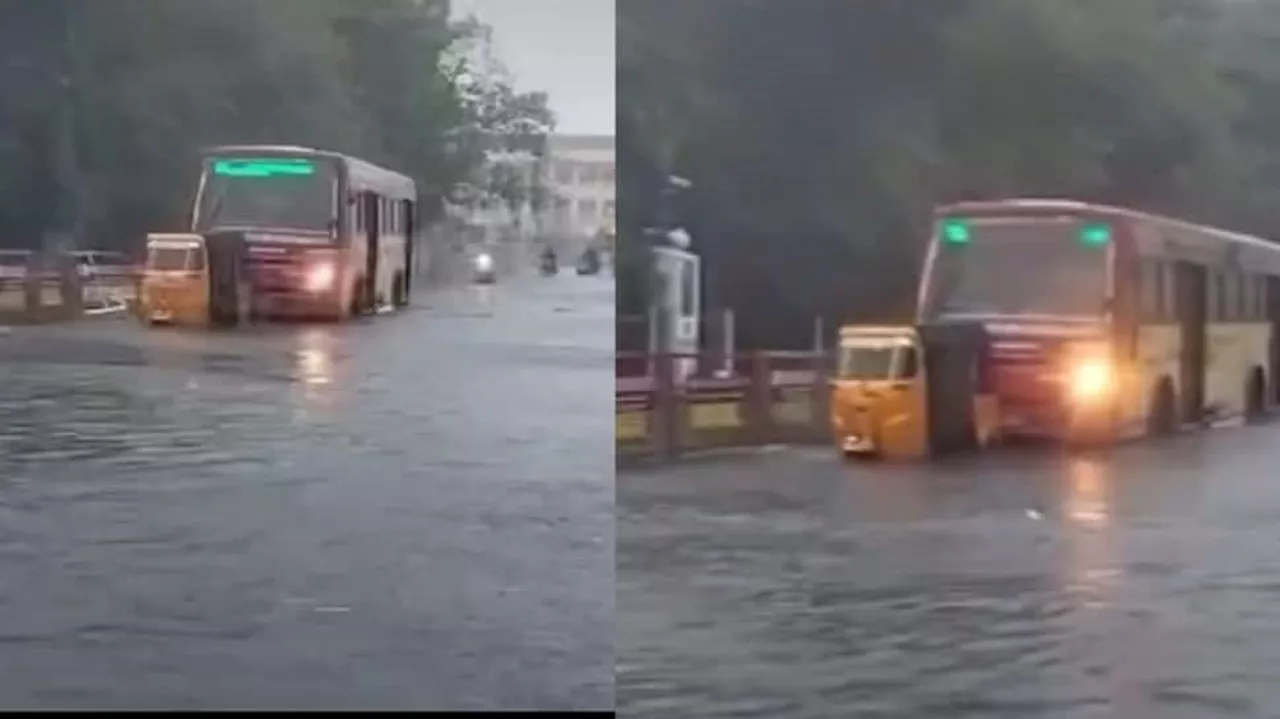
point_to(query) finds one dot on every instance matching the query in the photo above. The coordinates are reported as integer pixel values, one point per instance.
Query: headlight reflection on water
(1092, 564)
(314, 365)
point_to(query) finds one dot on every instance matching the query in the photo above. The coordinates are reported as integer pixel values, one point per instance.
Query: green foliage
(149, 82)
(818, 133)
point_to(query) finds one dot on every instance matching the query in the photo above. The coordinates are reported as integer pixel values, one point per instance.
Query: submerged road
(410, 512)
(1143, 583)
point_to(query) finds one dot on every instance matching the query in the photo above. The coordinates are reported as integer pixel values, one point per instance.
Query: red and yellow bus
(329, 236)
(1107, 322)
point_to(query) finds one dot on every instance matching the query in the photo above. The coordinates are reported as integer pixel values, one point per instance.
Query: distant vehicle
(106, 277)
(1106, 322)
(589, 262)
(13, 264)
(195, 280)
(547, 263)
(328, 235)
(483, 272)
(105, 266)
(903, 392)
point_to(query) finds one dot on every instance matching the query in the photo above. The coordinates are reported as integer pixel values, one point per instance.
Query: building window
(609, 174)
(587, 210)
(564, 173)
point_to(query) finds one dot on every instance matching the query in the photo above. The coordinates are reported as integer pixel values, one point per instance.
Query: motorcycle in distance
(589, 262)
(482, 270)
(547, 263)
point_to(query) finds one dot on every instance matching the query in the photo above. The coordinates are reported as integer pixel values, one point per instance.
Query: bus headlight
(320, 277)
(484, 263)
(1091, 380)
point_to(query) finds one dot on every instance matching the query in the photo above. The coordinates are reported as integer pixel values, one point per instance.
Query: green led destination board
(1095, 234)
(263, 167)
(956, 231)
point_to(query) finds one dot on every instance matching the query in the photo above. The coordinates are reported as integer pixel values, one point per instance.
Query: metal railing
(40, 296)
(746, 399)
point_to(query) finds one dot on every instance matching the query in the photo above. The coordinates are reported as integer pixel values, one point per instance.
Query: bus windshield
(1018, 266)
(268, 193)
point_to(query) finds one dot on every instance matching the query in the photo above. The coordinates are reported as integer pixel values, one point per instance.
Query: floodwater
(411, 512)
(1139, 583)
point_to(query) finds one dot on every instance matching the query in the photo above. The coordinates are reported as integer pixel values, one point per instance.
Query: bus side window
(1169, 304)
(1232, 288)
(1151, 290)
(1244, 288)
(360, 218)
(1217, 296)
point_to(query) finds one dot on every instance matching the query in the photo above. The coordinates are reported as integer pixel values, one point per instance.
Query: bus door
(405, 207)
(1191, 292)
(373, 232)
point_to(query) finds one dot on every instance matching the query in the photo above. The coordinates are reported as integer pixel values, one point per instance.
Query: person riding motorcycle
(589, 262)
(547, 261)
(483, 271)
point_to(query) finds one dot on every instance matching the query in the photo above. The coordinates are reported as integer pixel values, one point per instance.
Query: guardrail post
(70, 287)
(666, 410)
(33, 302)
(761, 392)
(821, 393)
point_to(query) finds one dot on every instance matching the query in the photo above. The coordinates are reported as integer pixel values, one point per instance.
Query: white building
(498, 220)
(580, 180)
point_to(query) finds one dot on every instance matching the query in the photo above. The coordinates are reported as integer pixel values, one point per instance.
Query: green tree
(818, 133)
(150, 82)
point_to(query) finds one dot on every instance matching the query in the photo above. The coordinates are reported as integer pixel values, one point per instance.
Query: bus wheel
(1255, 394)
(1162, 418)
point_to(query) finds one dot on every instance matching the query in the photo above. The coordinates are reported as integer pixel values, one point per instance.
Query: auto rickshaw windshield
(175, 259)
(883, 360)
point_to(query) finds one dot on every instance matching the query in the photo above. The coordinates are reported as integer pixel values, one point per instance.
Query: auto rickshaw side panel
(886, 415)
(174, 296)
(945, 405)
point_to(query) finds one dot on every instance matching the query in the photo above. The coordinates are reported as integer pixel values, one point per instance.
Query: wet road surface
(415, 511)
(1144, 583)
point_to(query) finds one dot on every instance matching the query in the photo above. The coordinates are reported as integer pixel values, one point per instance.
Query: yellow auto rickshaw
(902, 392)
(195, 280)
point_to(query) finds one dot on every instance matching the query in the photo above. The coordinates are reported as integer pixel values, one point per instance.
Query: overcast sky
(565, 47)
